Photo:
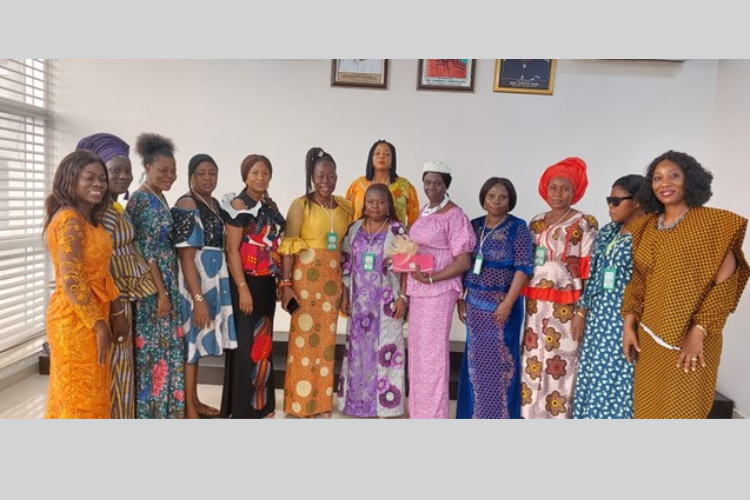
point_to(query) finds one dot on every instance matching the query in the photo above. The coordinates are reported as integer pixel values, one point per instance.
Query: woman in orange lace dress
(77, 328)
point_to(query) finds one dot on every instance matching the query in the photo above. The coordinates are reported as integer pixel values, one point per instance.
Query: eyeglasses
(616, 200)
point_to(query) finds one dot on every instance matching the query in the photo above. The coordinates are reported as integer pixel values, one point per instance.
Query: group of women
(143, 293)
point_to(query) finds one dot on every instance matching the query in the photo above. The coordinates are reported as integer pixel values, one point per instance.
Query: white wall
(729, 164)
(616, 115)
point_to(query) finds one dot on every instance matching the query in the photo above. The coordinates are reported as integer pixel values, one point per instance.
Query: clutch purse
(405, 263)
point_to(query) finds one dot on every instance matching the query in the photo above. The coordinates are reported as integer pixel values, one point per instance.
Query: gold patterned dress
(317, 282)
(672, 289)
(78, 387)
(405, 199)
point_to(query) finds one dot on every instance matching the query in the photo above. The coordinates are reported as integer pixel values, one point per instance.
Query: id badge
(369, 261)
(333, 240)
(478, 264)
(540, 256)
(610, 277)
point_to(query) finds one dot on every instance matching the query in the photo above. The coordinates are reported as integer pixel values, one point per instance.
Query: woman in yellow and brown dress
(689, 272)
(311, 276)
(381, 169)
(78, 313)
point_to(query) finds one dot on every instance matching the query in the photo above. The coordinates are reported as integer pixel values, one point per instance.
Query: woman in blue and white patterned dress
(605, 378)
(205, 299)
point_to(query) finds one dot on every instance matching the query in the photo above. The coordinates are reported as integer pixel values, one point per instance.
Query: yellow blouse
(308, 223)
(405, 199)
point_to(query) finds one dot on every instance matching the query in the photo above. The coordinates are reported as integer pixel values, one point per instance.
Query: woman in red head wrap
(563, 240)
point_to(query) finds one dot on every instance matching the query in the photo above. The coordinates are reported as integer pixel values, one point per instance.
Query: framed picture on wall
(446, 74)
(525, 76)
(371, 73)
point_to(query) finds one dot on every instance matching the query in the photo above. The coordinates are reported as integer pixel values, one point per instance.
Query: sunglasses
(616, 200)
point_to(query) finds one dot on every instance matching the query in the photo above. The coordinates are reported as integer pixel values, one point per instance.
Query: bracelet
(243, 284)
(121, 311)
(700, 327)
(284, 283)
(198, 297)
(580, 314)
(402, 296)
(431, 283)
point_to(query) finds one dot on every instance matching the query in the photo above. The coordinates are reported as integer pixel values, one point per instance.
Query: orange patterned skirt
(316, 280)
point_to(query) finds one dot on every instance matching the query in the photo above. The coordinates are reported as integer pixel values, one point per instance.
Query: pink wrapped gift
(405, 263)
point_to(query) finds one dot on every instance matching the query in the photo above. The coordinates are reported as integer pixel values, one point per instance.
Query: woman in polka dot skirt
(311, 277)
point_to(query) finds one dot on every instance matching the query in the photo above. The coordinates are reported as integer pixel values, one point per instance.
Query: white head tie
(436, 166)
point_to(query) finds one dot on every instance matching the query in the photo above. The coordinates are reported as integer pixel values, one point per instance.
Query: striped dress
(133, 280)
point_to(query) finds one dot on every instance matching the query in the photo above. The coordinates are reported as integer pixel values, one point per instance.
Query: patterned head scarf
(573, 169)
(105, 146)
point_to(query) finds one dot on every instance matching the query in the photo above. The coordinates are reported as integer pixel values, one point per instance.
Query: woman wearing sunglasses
(605, 378)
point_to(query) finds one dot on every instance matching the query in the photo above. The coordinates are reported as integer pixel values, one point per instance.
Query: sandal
(209, 412)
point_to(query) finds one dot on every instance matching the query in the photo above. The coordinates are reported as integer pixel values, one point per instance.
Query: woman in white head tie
(444, 231)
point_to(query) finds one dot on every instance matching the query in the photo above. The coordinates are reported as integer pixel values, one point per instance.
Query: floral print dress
(159, 341)
(550, 355)
(372, 377)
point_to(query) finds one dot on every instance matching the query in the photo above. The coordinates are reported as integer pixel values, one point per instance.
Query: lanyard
(484, 237)
(548, 230)
(370, 237)
(328, 211)
(613, 246)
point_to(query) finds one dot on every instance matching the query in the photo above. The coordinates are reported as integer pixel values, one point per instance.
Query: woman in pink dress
(444, 231)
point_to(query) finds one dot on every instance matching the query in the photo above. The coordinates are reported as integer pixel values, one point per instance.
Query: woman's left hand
(502, 313)
(420, 276)
(691, 351)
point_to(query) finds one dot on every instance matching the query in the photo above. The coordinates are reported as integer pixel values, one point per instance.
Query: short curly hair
(697, 182)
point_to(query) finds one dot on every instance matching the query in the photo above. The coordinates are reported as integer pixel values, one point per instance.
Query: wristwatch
(198, 297)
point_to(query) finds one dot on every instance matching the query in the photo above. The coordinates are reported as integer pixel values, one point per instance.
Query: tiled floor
(28, 398)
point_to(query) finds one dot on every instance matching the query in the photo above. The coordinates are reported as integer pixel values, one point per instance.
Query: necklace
(427, 210)
(370, 236)
(484, 236)
(561, 218)
(161, 198)
(209, 205)
(660, 221)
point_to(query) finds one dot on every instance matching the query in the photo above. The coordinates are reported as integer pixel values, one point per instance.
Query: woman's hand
(200, 314)
(630, 346)
(345, 306)
(400, 310)
(103, 342)
(162, 304)
(287, 294)
(461, 305)
(577, 327)
(246, 300)
(418, 275)
(691, 351)
(120, 328)
(502, 313)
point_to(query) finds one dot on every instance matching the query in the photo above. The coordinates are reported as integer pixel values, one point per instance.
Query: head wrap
(105, 146)
(436, 166)
(197, 160)
(573, 169)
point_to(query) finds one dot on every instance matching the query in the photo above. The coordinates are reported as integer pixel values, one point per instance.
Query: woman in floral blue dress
(605, 379)
(159, 352)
